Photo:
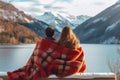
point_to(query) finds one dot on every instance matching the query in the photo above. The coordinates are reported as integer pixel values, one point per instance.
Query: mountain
(59, 20)
(80, 19)
(11, 31)
(37, 26)
(10, 13)
(103, 28)
(56, 20)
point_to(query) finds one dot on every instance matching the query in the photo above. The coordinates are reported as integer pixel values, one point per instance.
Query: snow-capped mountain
(103, 28)
(55, 20)
(11, 31)
(59, 21)
(80, 19)
(10, 13)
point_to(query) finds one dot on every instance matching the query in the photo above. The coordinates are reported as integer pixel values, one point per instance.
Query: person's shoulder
(49, 40)
(45, 42)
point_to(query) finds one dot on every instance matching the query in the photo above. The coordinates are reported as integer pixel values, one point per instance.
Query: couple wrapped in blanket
(50, 58)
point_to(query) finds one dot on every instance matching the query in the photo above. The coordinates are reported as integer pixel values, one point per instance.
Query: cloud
(98, 3)
(52, 7)
(73, 7)
(45, 1)
(65, 0)
(23, 5)
(29, 7)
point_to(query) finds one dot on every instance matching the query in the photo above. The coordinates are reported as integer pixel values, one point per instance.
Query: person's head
(68, 38)
(49, 31)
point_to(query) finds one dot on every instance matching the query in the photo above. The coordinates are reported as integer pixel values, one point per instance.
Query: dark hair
(49, 31)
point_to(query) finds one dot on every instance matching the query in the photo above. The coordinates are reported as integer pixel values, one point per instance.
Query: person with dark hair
(49, 32)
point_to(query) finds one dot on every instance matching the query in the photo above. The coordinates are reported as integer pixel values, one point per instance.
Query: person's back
(68, 38)
(50, 58)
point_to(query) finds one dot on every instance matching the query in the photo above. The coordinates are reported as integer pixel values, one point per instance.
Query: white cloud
(86, 7)
(45, 1)
(74, 7)
(22, 5)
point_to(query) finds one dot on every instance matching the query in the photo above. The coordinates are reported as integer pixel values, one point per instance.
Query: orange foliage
(14, 33)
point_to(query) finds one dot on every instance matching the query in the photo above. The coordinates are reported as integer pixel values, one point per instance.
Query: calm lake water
(97, 56)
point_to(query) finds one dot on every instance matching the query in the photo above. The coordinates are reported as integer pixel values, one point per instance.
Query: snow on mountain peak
(9, 12)
(59, 20)
(55, 19)
(48, 14)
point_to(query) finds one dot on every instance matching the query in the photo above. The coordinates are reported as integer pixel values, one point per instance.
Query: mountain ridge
(11, 32)
(103, 28)
(58, 21)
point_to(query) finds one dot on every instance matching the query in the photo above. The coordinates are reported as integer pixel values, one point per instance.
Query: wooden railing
(78, 76)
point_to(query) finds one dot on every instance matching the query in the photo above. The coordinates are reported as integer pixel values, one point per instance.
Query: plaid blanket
(49, 58)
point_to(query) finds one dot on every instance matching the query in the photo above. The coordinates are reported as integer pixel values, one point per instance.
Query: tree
(115, 67)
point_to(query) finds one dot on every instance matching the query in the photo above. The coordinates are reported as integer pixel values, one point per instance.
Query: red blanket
(49, 58)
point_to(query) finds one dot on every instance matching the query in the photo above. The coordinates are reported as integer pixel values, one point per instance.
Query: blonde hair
(68, 38)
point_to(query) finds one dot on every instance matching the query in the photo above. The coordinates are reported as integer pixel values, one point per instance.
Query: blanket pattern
(49, 58)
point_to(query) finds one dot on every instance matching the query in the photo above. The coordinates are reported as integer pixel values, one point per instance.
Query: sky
(70, 7)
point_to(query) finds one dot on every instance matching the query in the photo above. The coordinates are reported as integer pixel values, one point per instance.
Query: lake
(97, 56)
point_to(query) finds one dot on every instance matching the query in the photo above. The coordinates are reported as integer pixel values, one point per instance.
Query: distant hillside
(103, 28)
(11, 31)
(10, 13)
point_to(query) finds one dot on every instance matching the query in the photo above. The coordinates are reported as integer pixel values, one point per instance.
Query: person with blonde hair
(71, 58)
(68, 38)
